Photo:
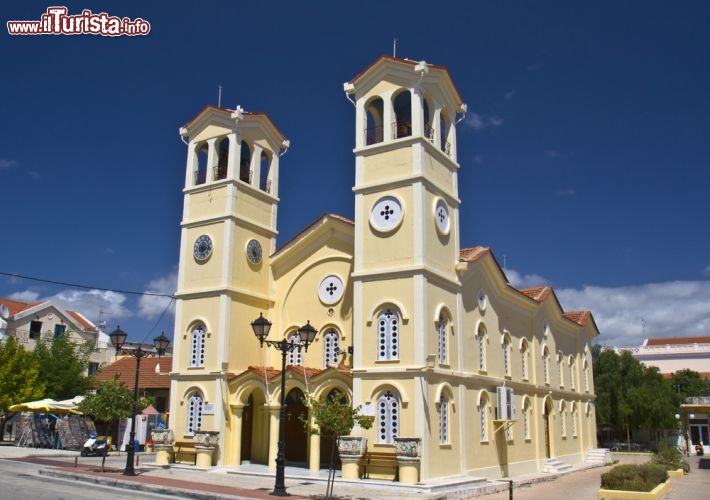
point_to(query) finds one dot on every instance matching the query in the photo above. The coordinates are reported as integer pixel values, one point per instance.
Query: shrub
(671, 459)
(631, 477)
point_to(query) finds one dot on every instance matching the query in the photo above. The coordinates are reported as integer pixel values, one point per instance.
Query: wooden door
(296, 437)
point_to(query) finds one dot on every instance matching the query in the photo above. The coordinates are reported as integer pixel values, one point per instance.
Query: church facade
(428, 337)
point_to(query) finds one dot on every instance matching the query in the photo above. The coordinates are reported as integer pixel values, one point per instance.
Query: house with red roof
(28, 322)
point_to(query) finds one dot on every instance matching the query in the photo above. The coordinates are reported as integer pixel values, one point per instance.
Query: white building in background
(27, 322)
(674, 354)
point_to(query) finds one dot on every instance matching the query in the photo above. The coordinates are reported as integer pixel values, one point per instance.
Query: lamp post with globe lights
(307, 334)
(118, 339)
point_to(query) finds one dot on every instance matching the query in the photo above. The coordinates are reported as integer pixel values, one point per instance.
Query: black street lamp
(307, 333)
(118, 338)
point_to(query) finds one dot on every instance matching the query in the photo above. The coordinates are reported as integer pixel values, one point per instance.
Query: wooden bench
(185, 448)
(379, 460)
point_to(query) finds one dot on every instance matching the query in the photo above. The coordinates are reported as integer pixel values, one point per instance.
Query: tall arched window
(194, 413)
(222, 159)
(546, 365)
(388, 335)
(294, 357)
(524, 354)
(445, 128)
(506, 355)
(443, 419)
(245, 162)
(387, 418)
(586, 376)
(560, 368)
(481, 344)
(483, 409)
(573, 415)
(264, 168)
(563, 415)
(374, 131)
(526, 418)
(331, 348)
(197, 346)
(403, 114)
(570, 365)
(441, 331)
(201, 171)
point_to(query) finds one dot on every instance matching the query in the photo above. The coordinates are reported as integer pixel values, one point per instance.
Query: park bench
(375, 460)
(185, 448)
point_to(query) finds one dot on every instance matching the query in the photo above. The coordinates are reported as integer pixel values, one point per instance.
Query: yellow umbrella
(43, 405)
(66, 406)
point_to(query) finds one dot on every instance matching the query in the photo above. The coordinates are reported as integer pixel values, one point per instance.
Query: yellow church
(429, 338)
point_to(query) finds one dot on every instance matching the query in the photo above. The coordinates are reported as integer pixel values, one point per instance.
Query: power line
(63, 283)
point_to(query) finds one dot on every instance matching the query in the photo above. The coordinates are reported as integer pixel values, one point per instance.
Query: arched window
(570, 364)
(388, 335)
(194, 413)
(506, 355)
(222, 159)
(294, 357)
(201, 171)
(245, 163)
(331, 348)
(526, 418)
(429, 131)
(197, 346)
(586, 376)
(524, 354)
(563, 415)
(443, 419)
(264, 168)
(403, 114)
(560, 371)
(441, 331)
(375, 117)
(483, 409)
(481, 343)
(546, 365)
(445, 128)
(573, 415)
(387, 418)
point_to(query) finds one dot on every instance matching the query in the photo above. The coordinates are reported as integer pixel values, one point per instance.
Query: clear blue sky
(584, 155)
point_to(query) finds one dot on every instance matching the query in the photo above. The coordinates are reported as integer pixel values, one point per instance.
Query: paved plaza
(256, 481)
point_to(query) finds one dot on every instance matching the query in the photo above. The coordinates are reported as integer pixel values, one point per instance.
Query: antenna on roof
(219, 96)
(394, 47)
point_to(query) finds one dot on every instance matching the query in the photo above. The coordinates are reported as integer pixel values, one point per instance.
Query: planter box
(655, 494)
(676, 473)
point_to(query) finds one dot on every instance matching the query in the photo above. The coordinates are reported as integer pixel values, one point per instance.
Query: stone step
(598, 456)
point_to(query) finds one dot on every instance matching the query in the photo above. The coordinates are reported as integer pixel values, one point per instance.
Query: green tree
(334, 417)
(19, 375)
(62, 366)
(111, 401)
(688, 383)
(630, 395)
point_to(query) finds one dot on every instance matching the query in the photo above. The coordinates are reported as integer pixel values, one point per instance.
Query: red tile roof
(679, 340)
(538, 293)
(272, 373)
(147, 378)
(229, 111)
(579, 317)
(16, 307)
(473, 254)
(409, 62)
